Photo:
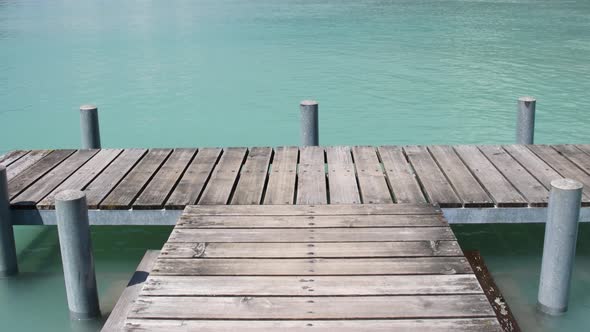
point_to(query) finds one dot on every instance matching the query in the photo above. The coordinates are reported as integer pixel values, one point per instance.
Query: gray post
(309, 123)
(76, 253)
(559, 249)
(525, 120)
(8, 262)
(89, 127)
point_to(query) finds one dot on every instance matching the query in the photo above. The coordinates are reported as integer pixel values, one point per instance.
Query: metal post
(8, 262)
(76, 253)
(525, 120)
(309, 123)
(559, 249)
(89, 127)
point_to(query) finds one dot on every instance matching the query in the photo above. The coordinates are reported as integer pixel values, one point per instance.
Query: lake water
(232, 72)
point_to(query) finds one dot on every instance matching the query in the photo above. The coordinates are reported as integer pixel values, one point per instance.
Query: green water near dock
(232, 72)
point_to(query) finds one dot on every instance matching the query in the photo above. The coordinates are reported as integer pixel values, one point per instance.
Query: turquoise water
(232, 72)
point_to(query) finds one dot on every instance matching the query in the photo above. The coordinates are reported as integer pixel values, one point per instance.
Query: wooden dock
(379, 267)
(447, 176)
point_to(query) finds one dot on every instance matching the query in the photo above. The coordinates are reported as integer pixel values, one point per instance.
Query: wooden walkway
(450, 176)
(379, 267)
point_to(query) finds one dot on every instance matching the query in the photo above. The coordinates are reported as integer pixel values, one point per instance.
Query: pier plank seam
(199, 279)
(12, 156)
(400, 175)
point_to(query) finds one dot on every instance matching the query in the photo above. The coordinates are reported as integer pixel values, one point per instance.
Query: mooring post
(309, 123)
(76, 253)
(559, 249)
(89, 127)
(8, 262)
(525, 120)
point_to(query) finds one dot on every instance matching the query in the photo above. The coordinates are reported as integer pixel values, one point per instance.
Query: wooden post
(8, 261)
(89, 127)
(525, 120)
(76, 252)
(309, 123)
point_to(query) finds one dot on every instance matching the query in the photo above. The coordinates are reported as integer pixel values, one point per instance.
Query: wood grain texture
(253, 177)
(282, 176)
(194, 179)
(315, 210)
(311, 176)
(223, 178)
(12, 156)
(25, 162)
(341, 176)
(371, 178)
(400, 175)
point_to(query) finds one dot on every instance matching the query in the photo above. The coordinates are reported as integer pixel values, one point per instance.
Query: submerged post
(89, 127)
(76, 253)
(525, 120)
(8, 262)
(559, 249)
(309, 123)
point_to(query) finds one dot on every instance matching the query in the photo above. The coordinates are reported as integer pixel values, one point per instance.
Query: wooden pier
(309, 268)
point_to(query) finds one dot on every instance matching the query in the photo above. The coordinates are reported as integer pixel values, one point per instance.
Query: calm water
(231, 72)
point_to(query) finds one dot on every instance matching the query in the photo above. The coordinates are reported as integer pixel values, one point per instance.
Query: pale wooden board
(116, 320)
(282, 176)
(306, 210)
(489, 324)
(132, 184)
(400, 175)
(437, 187)
(312, 266)
(466, 186)
(253, 177)
(314, 286)
(197, 221)
(156, 192)
(313, 250)
(12, 156)
(103, 184)
(371, 178)
(82, 177)
(575, 155)
(500, 189)
(533, 164)
(25, 162)
(194, 179)
(534, 192)
(341, 176)
(223, 178)
(310, 234)
(562, 165)
(311, 176)
(31, 174)
(357, 307)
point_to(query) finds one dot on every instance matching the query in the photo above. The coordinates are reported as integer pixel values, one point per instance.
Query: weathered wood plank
(103, 184)
(372, 183)
(282, 177)
(311, 176)
(28, 176)
(532, 190)
(157, 190)
(82, 177)
(194, 179)
(253, 177)
(198, 221)
(400, 175)
(306, 210)
(423, 325)
(466, 186)
(25, 162)
(132, 184)
(116, 320)
(357, 307)
(220, 186)
(316, 286)
(575, 155)
(502, 191)
(434, 182)
(533, 164)
(341, 176)
(311, 235)
(315, 250)
(12, 156)
(562, 165)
